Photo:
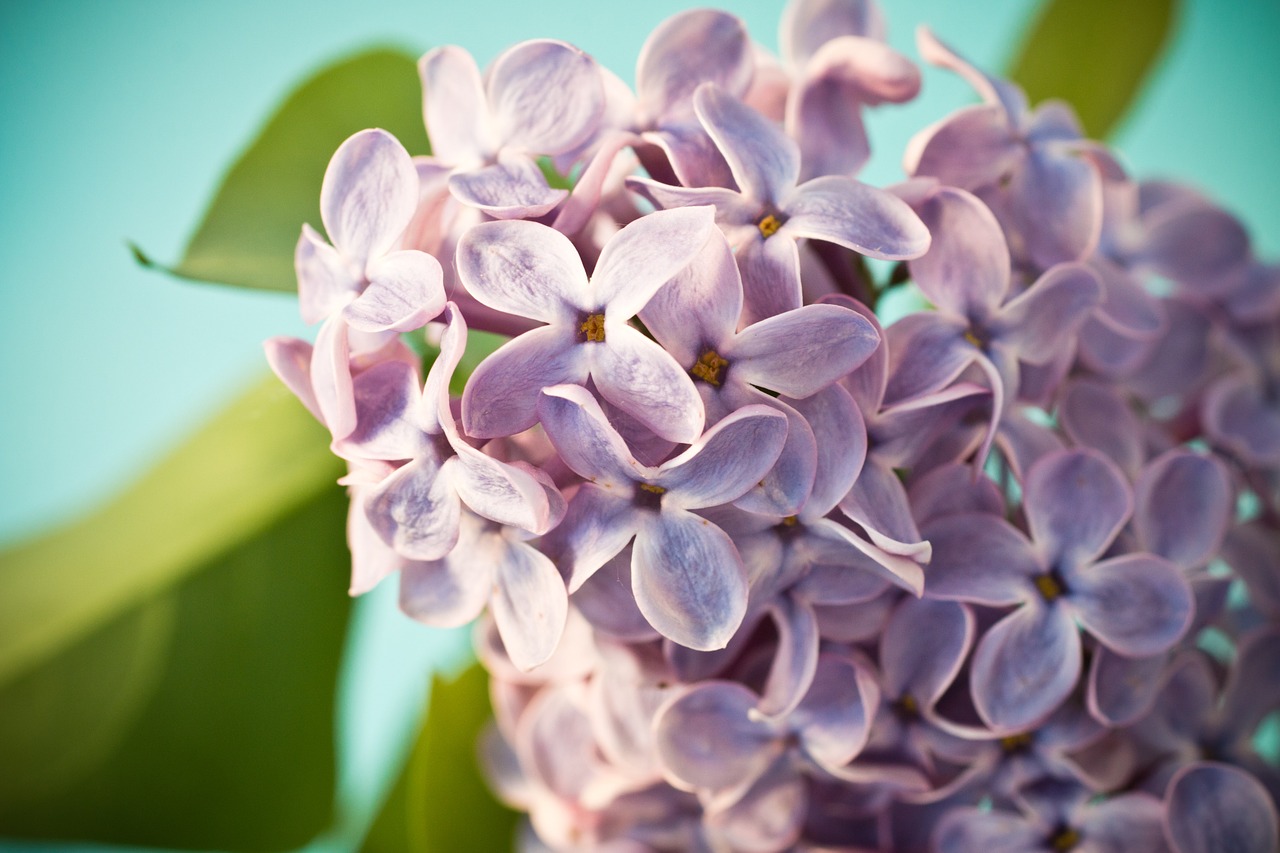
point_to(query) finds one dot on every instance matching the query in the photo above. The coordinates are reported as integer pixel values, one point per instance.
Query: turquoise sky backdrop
(118, 120)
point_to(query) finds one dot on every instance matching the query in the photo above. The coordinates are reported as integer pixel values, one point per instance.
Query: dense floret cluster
(753, 571)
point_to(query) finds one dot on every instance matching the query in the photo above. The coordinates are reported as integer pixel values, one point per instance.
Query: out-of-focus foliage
(1094, 54)
(440, 802)
(249, 230)
(168, 664)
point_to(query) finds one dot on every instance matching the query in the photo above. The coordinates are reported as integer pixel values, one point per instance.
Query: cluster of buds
(753, 571)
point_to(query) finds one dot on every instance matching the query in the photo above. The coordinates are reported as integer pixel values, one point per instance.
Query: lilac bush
(753, 571)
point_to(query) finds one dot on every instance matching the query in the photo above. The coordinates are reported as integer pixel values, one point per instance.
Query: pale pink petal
(586, 441)
(688, 579)
(416, 510)
(405, 292)
(522, 268)
(852, 214)
(454, 107)
(290, 360)
(639, 377)
(1025, 666)
(513, 188)
(800, 352)
(501, 397)
(529, 604)
(369, 194)
(686, 50)
(1138, 605)
(547, 97)
(645, 255)
(765, 162)
(326, 280)
(728, 459)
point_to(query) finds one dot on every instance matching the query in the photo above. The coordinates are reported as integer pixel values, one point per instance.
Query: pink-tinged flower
(1138, 604)
(795, 354)
(966, 273)
(418, 507)
(842, 64)
(1057, 816)
(539, 98)
(1028, 165)
(369, 194)
(1215, 807)
(686, 574)
(765, 217)
(530, 270)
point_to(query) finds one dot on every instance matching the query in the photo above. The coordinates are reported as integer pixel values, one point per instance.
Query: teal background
(117, 121)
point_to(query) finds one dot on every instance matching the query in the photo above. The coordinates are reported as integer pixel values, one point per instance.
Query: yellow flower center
(649, 487)
(709, 366)
(769, 225)
(1048, 586)
(593, 327)
(1064, 840)
(1013, 743)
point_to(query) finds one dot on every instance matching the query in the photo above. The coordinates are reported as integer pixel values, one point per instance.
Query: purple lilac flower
(533, 271)
(686, 574)
(1027, 663)
(768, 212)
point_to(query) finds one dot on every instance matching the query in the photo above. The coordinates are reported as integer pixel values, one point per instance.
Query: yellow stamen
(769, 225)
(908, 705)
(973, 339)
(1013, 743)
(1064, 840)
(790, 521)
(657, 490)
(709, 366)
(1048, 587)
(593, 327)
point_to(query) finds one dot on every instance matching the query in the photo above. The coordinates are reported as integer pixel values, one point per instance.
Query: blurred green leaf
(441, 803)
(200, 718)
(168, 664)
(1094, 54)
(249, 231)
(248, 467)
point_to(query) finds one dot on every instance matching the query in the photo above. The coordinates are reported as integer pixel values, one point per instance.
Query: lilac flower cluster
(755, 573)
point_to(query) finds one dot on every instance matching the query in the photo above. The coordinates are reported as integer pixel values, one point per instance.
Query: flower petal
(416, 510)
(1025, 666)
(1093, 414)
(847, 212)
(764, 160)
(499, 491)
(369, 194)
(808, 24)
(878, 502)
(699, 307)
(770, 276)
(841, 437)
(965, 830)
(834, 719)
(646, 254)
(405, 292)
(386, 398)
(1121, 689)
(1215, 807)
(686, 50)
(454, 106)
(1184, 504)
(688, 579)
(927, 351)
(923, 647)
(972, 148)
(730, 458)
(586, 441)
(1076, 501)
(513, 188)
(326, 280)
(966, 270)
(1042, 320)
(596, 527)
(522, 268)
(290, 360)
(331, 378)
(501, 397)
(445, 593)
(979, 558)
(796, 659)
(529, 604)
(639, 377)
(1137, 605)
(547, 97)
(800, 352)
(1056, 199)
(707, 738)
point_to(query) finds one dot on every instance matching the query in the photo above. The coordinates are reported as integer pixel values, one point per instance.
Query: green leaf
(253, 464)
(441, 803)
(201, 717)
(249, 232)
(1094, 54)
(168, 664)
